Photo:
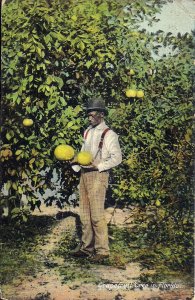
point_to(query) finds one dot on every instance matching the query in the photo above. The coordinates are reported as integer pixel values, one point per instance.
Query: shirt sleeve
(115, 156)
(76, 168)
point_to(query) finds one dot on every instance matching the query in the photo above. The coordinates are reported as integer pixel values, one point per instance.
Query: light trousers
(92, 190)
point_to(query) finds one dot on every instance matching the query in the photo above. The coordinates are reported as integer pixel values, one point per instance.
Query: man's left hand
(93, 165)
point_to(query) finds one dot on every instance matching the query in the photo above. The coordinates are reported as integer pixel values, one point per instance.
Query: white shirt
(110, 155)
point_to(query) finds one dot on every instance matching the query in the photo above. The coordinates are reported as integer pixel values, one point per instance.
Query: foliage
(168, 240)
(50, 68)
(73, 269)
(19, 253)
(55, 55)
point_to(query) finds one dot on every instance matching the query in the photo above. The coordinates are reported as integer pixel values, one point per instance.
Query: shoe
(98, 258)
(78, 247)
(80, 253)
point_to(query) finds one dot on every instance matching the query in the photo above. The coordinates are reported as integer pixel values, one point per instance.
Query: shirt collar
(101, 126)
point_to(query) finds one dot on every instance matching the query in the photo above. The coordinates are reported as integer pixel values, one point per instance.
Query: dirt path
(47, 284)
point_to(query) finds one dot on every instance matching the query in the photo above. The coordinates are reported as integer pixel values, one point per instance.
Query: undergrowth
(19, 247)
(159, 261)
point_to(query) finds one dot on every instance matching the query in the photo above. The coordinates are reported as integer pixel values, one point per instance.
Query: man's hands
(93, 165)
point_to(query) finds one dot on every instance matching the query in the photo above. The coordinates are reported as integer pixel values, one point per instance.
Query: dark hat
(96, 104)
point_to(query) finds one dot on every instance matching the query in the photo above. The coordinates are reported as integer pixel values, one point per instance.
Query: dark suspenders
(101, 140)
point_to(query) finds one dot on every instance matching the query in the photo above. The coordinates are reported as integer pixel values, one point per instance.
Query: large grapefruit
(84, 158)
(64, 152)
(140, 94)
(130, 93)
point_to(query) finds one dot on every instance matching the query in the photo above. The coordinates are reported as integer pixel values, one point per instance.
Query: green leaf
(24, 218)
(27, 46)
(88, 64)
(77, 109)
(15, 211)
(18, 152)
(70, 124)
(41, 163)
(8, 185)
(31, 78)
(15, 96)
(157, 132)
(20, 191)
(8, 136)
(60, 82)
(24, 175)
(31, 161)
(40, 52)
(81, 46)
(51, 106)
(49, 80)
(14, 186)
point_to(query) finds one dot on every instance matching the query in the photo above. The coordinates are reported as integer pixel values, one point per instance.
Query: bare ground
(47, 284)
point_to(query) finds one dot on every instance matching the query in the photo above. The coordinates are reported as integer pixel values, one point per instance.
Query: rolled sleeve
(76, 168)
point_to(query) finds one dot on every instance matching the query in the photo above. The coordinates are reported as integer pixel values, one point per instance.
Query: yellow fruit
(27, 122)
(64, 152)
(27, 100)
(6, 153)
(74, 18)
(132, 72)
(140, 94)
(158, 203)
(130, 93)
(84, 158)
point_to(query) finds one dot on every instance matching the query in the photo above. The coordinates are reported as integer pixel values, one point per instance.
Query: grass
(73, 269)
(18, 255)
(126, 247)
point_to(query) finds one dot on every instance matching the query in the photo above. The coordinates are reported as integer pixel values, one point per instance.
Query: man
(103, 143)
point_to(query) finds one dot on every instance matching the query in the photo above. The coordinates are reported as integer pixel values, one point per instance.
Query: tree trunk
(2, 2)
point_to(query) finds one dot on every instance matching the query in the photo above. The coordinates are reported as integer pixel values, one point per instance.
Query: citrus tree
(55, 56)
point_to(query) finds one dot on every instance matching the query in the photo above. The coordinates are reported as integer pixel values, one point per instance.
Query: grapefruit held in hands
(64, 152)
(84, 158)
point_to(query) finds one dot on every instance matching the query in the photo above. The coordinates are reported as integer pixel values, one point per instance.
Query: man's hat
(96, 104)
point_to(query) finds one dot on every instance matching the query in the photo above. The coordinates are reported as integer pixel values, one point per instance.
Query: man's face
(95, 118)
